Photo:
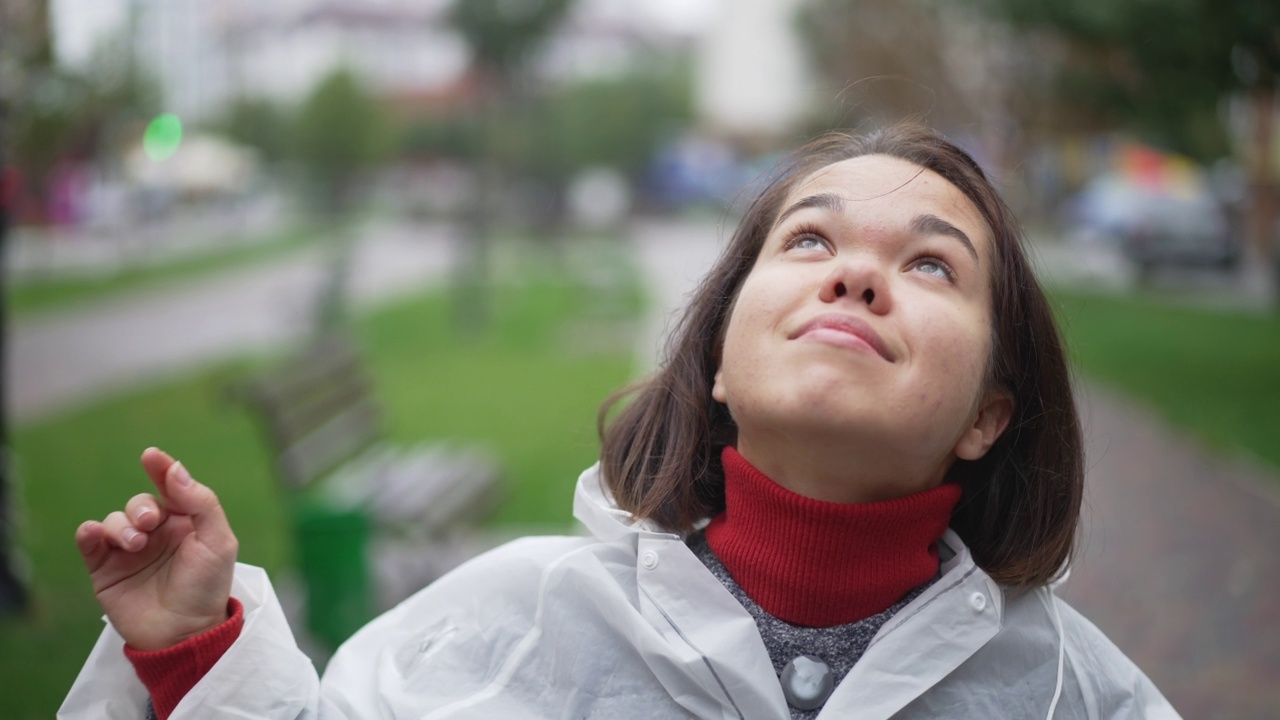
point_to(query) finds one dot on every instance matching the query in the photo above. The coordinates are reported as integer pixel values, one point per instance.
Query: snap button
(978, 601)
(807, 682)
(649, 560)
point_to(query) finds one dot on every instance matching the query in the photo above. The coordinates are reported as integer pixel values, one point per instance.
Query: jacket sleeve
(1111, 686)
(262, 675)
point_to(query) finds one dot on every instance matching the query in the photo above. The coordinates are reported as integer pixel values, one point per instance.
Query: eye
(934, 266)
(806, 239)
(807, 242)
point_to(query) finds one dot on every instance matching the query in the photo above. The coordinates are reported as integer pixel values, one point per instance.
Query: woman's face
(864, 327)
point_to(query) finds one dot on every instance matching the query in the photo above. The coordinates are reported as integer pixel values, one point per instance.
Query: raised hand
(162, 568)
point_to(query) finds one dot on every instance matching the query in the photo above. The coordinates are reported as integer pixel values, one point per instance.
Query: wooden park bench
(373, 522)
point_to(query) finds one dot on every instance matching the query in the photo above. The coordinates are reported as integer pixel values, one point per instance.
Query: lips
(843, 329)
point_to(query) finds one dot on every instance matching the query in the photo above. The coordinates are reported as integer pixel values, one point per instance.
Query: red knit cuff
(169, 674)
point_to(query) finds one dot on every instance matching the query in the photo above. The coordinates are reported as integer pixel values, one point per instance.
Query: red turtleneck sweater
(820, 564)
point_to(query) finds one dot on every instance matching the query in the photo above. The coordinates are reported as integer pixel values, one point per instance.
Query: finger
(157, 463)
(188, 497)
(144, 512)
(121, 533)
(90, 538)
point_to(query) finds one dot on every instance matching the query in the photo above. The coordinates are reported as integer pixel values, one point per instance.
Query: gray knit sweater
(839, 646)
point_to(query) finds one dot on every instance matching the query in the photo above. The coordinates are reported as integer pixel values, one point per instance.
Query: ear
(990, 422)
(717, 388)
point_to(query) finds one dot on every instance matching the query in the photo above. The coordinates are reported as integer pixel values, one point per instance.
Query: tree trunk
(1261, 225)
(14, 595)
(471, 284)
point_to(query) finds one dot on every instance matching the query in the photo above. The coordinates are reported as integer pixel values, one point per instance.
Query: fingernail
(130, 536)
(141, 514)
(180, 473)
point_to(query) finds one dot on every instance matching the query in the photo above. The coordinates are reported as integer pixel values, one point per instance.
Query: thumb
(185, 496)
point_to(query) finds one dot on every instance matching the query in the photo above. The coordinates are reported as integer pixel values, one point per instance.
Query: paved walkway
(60, 359)
(1179, 565)
(102, 249)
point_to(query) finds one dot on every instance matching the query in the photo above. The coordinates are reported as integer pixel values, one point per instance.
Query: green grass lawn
(31, 295)
(1215, 373)
(527, 387)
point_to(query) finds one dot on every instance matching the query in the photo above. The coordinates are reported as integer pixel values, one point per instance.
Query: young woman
(844, 494)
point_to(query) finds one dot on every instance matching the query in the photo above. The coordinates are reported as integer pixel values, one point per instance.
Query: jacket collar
(916, 649)
(595, 508)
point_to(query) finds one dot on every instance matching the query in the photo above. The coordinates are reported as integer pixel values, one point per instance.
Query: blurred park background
(499, 203)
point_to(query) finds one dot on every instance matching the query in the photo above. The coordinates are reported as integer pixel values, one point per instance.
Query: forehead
(886, 184)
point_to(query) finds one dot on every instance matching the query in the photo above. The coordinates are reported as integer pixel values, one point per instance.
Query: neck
(820, 564)
(837, 471)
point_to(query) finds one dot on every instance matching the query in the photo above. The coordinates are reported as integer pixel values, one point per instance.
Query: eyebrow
(927, 224)
(825, 201)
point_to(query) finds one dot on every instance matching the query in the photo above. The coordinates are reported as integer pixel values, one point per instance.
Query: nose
(860, 281)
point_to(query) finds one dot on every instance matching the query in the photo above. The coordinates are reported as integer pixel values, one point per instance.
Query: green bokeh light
(162, 137)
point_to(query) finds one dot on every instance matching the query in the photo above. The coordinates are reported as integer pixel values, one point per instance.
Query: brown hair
(661, 454)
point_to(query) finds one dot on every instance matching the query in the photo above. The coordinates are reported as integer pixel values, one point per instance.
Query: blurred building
(749, 66)
(205, 54)
(398, 48)
(751, 77)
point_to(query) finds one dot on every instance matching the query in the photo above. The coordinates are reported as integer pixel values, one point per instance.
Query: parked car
(1158, 225)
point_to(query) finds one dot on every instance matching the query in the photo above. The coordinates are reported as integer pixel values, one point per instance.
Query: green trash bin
(332, 550)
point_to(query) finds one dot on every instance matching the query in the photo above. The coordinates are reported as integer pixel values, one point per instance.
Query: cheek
(956, 366)
(751, 316)
(748, 359)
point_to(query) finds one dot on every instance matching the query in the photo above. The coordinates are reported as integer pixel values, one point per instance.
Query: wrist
(170, 673)
(210, 623)
(183, 631)
(233, 620)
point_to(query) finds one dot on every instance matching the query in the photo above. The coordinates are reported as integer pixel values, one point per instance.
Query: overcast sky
(79, 24)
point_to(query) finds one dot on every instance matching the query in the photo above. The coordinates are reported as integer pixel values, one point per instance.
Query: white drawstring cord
(1062, 651)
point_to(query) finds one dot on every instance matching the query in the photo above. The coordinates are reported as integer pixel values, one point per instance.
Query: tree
(15, 597)
(339, 133)
(890, 59)
(1165, 69)
(257, 123)
(502, 35)
(938, 61)
(46, 115)
(84, 115)
(619, 122)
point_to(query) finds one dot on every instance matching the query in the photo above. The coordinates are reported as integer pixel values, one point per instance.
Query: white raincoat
(628, 623)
